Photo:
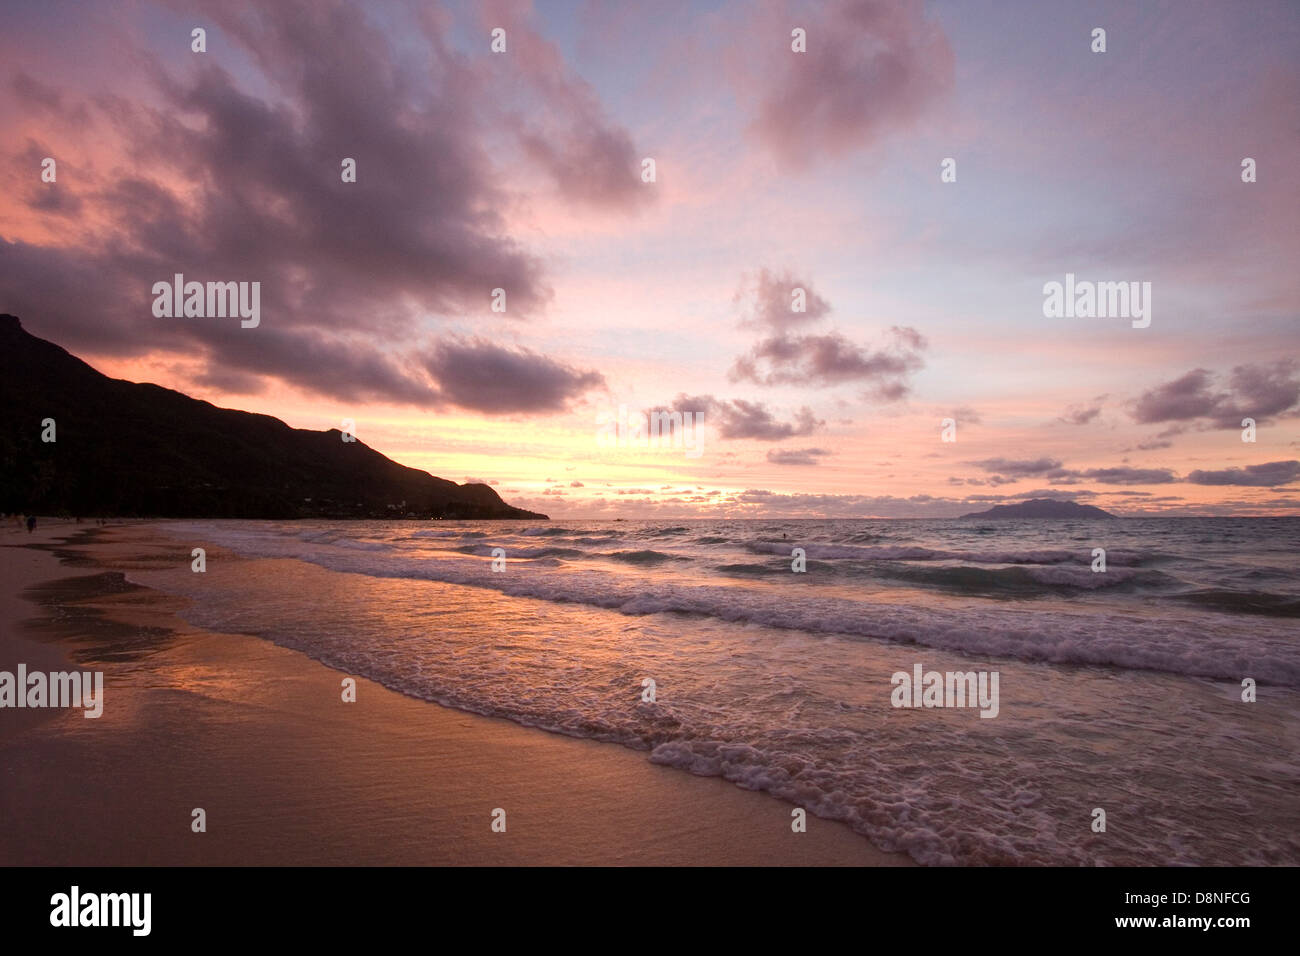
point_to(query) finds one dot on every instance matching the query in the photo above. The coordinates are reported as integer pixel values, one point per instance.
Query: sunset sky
(774, 169)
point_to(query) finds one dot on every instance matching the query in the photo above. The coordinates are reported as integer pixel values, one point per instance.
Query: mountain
(1042, 508)
(142, 450)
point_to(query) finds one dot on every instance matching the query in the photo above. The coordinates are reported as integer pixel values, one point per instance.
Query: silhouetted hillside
(142, 450)
(1042, 508)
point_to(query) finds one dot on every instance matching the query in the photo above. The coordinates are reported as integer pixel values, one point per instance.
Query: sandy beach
(258, 737)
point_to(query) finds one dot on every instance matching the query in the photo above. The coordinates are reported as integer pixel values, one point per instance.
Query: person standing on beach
(31, 523)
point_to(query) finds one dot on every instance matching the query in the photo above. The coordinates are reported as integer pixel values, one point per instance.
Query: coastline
(257, 735)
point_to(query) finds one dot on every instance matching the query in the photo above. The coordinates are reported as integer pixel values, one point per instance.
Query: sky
(861, 324)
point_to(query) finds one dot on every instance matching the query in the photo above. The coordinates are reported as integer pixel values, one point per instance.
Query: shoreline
(257, 736)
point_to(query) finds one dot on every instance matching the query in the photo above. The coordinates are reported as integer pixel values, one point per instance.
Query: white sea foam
(1181, 641)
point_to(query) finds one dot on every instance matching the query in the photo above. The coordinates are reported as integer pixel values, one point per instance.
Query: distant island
(1042, 508)
(132, 450)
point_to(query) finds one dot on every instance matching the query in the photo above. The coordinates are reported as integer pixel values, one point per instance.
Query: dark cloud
(59, 198)
(783, 358)
(1260, 392)
(598, 167)
(1252, 391)
(769, 300)
(831, 359)
(232, 381)
(1127, 476)
(737, 418)
(1186, 397)
(872, 67)
(1267, 475)
(1080, 414)
(1007, 471)
(1052, 493)
(560, 121)
(796, 456)
(42, 97)
(488, 378)
(336, 365)
(48, 198)
(239, 180)
(1019, 468)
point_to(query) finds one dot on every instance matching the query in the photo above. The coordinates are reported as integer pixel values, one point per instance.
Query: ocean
(1120, 690)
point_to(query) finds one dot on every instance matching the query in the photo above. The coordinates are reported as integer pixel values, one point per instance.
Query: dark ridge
(137, 450)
